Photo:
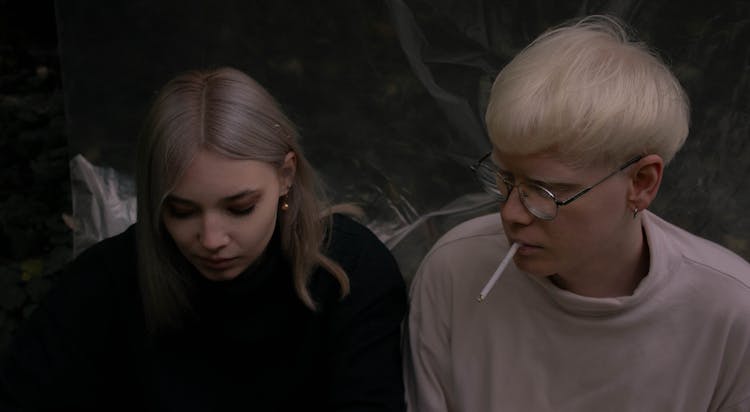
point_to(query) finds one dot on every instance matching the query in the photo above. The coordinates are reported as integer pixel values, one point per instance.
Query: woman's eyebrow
(243, 194)
(248, 193)
(176, 199)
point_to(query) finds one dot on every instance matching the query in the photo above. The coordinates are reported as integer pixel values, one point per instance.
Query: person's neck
(619, 276)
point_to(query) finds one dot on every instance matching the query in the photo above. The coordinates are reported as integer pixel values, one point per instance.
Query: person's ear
(645, 179)
(287, 172)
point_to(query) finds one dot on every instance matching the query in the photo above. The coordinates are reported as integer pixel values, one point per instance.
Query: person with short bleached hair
(575, 297)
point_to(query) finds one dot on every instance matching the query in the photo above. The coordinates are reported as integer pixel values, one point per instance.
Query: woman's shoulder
(114, 253)
(350, 241)
(366, 260)
(102, 268)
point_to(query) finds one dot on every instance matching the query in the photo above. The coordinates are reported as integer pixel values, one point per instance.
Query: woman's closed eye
(179, 211)
(243, 203)
(241, 211)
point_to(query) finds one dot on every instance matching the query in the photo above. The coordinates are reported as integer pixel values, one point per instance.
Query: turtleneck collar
(660, 266)
(267, 268)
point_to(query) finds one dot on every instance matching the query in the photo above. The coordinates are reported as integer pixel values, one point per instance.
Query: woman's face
(222, 212)
(586, 236)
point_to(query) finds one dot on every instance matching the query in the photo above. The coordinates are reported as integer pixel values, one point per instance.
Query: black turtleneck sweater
(252, 345)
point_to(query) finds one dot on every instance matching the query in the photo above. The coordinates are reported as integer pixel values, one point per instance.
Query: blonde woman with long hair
(236, 289)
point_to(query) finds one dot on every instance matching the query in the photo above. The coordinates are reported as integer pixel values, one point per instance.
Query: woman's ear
(645, 179)
(287, 172)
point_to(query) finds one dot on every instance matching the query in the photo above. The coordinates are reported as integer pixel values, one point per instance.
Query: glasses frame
(483, 162)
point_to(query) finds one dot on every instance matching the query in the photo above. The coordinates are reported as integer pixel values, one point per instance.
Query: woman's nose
(214, 233)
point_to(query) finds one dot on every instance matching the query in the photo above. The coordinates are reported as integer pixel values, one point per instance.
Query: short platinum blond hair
(590, 94)
(225, 111)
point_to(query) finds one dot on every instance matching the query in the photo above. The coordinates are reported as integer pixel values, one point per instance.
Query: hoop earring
(635, 212)
(285, 203)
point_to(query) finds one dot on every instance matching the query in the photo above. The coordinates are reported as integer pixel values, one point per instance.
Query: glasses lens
(488, 177)
(539, 201)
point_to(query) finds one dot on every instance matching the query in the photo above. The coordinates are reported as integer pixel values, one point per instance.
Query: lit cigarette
(495, 276)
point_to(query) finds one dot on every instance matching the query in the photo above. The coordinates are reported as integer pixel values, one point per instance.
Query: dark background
(34, 182)
(388, 95)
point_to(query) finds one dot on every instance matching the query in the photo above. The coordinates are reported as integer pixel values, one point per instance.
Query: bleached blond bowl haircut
(225, 111)
(588, 93)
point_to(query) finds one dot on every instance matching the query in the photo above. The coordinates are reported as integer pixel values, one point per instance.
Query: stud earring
(635, 212)
(285, 203)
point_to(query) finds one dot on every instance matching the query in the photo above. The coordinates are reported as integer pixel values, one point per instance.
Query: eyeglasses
(538, 200)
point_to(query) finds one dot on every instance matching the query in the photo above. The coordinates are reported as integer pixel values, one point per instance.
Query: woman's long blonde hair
(225, 111)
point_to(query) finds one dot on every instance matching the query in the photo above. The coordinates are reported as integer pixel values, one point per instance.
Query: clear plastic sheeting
(410, 243)
(389, 97)
(103, 203)
(457, 47)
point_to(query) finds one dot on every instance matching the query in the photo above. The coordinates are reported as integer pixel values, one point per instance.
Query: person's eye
(561, 190)
(179, 212)
(539, 190)
(506, 177)
(242, 211)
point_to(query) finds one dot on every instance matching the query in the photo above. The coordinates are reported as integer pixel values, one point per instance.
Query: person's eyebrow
(234, 197)
(555, 185)
(551, 185)
(243, 194)
(562, 186)
(176, 199)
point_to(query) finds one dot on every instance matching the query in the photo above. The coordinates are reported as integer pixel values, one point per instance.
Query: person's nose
(513, 211)
(214, 233)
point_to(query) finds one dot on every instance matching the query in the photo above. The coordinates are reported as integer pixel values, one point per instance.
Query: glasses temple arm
(584, 191)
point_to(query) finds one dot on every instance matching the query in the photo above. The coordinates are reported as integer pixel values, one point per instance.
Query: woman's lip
(217, 263)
